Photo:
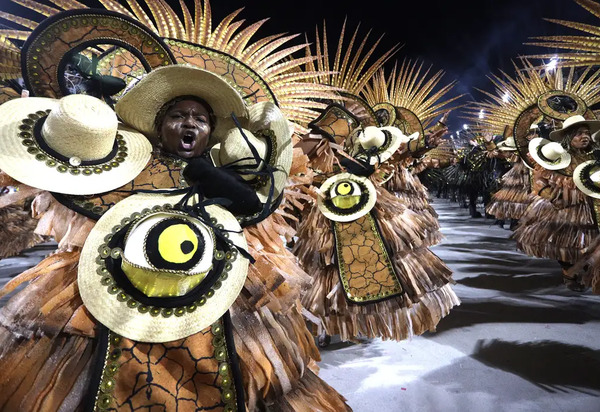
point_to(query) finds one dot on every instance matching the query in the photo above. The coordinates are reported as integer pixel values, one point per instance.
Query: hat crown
(553, 151)
(81, 126)
(595, 177)
(371, 137)
(570, 121)
(235, 147)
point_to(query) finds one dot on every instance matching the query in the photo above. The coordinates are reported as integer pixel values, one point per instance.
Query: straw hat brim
(339, 217)
(503, 145)
(23, 166)
(565, 160)
(117, 315)
(266, 115)
(578, 177)
(396, 141)
(594, 126)
(138, 108)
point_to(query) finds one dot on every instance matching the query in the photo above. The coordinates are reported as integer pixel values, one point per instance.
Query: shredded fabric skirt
(48, 338)
(513, 198)
(563, 233)
(427, 297)
(587, 268)
(415, 196)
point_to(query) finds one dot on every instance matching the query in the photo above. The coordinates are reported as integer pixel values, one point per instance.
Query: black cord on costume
(268, 170)
(198, 210)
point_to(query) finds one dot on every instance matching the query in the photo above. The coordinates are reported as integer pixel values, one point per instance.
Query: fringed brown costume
(513, 197)
(46, 328)
(560, 223)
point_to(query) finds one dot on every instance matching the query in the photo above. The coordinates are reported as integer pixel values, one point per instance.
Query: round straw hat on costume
(550, 155)
(346, 197)
(74, 145)
(269, 133)
(587, 178)
(572, 122)
(154, 272)
(140, 106)
(378, 143)
(507, 145)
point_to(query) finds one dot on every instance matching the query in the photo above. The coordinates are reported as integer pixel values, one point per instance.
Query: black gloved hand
(223, 182)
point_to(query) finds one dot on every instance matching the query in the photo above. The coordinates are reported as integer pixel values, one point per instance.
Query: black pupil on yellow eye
(175, 244)
(187, 247)
(343, 189)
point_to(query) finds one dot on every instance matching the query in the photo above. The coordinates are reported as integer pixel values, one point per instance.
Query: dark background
(469, 39)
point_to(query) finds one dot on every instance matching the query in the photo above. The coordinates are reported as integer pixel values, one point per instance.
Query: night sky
(469, 39)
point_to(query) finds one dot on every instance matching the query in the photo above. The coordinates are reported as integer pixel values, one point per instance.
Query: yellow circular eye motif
(343, 188)
(345, 194)
(170, 241)
(177, 243)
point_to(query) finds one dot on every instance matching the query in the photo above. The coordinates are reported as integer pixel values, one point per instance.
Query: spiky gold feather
(582, 50)
(412, 87)
(350, 70)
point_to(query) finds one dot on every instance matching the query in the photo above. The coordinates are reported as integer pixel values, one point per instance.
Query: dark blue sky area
(469, 39)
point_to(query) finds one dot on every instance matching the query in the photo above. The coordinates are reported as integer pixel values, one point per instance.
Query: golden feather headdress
(410, 87)
(292, 88)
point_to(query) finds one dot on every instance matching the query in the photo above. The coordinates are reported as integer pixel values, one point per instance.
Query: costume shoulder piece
(88, 51)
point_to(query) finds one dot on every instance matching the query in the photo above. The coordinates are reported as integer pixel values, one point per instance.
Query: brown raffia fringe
(513, 197)
(16, 233)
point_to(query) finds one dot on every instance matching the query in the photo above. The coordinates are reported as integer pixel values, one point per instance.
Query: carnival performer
(373, 275)
(404, 99)
(513, 196)
(587, 179)
(560, 222)
(275, 348)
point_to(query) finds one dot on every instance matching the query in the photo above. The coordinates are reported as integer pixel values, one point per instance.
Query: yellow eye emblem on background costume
(346, 197)
(177, 243)
(345, 194)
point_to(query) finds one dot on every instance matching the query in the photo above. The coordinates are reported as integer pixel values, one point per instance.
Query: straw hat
(139, 107)
(268, 131)
(386, 141)
(508, 144)
(587, 178)
(573, 121)
(550, 155)
(346, 197)
(155, 274)
(74, 145)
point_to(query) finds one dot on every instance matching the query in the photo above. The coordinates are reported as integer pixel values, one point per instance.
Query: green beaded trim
(223, 356)
(28, 140)
(107, 280)
(104, 397)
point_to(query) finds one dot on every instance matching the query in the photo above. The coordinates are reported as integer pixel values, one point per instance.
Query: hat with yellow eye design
(153, 272)
(346, 197)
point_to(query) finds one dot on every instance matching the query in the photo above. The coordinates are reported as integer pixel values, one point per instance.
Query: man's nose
(188, 121)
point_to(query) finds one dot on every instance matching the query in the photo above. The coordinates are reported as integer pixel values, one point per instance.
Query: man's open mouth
(188, 141)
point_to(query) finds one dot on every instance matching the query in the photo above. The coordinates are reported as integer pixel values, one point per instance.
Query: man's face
(582, 138)
(185, 129)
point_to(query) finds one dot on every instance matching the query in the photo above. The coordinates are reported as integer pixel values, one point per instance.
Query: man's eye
(201, 119)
